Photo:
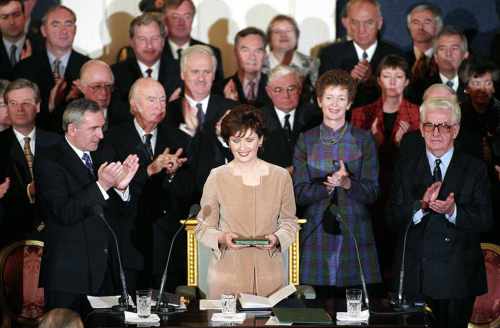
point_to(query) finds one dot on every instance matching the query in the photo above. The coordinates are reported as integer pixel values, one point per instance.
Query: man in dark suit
(197, 113)
(147, 39)
(55, 69)
(248, 84)
(74, 190)
(20, 145)
(163, 193)
(362, 55)
(16, 43)
(449, 51)
(178, 19)
(285, 119)
(96, 83)
(442, 196)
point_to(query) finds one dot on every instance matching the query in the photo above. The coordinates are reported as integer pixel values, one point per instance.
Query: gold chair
(197, 264)
(486, 312)
(21, 301)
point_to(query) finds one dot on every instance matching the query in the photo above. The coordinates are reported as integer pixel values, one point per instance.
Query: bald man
(96, 83)
(160, 184)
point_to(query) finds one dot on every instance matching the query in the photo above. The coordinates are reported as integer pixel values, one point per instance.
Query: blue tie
(88, 162)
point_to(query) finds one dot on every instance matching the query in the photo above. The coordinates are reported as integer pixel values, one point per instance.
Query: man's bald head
(96, 82)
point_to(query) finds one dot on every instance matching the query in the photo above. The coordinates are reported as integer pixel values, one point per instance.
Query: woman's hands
(226, 240)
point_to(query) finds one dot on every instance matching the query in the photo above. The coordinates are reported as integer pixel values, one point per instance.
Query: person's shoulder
(389, 48)
(361, 134)
(214, 48)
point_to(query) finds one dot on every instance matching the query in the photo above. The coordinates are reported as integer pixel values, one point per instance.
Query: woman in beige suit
(246, 198)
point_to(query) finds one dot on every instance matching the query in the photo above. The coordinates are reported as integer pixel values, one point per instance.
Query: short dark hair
(6, 2)
(450, 30)
(75, 111)
(146, 19)
(176, 3)
(22, 84)
(336, 78)
(476, 67)
(241, 119)
(394, 61)
(251, 30)
(54, 8)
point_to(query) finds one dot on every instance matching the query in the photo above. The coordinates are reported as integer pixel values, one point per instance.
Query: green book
(302, 315)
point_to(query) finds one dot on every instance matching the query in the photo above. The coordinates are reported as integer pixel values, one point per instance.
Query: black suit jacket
(128, 71)
(175, 69)
(343, 55)
(261, 98)
(416, 89)
(38, 69)
(21, 217)
(277, 147)
(78, 243)
(162, 200)
(443, 260)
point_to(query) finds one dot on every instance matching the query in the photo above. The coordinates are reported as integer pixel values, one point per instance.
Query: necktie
(287, 126)
(149, 72)
(13, 57)
(200, 115)
(56, 68)
(437, 171)
(364, 55)
(250, 91)
(179, 54)
(28, 155)
(88, 162)
(147, 144)
(450, 84)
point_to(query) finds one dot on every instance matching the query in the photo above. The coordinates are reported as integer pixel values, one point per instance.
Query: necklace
(330, 140)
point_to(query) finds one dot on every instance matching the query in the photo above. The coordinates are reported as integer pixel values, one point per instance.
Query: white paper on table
(229, 317)
(132, 317)
(249, 301)
(210, 305)
(344, 316)
(106, 302)
(273, 321)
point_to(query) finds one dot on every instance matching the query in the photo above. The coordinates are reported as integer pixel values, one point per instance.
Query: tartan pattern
(328, 259)
(363, 117)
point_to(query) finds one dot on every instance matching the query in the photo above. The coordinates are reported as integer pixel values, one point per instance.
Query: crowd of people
(364, 142)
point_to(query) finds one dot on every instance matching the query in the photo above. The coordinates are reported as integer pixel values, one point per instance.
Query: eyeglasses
(443, 128)
(291, 89)
(100, 87)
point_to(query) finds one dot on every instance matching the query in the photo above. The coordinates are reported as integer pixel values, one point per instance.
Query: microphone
(361, 271)
(123, 301)
(400, 304)
(162, 307)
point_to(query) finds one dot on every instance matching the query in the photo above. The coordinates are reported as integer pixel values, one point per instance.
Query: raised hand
(56, 95)
(362, 71)
(443, 206)
(4, 186)
(175, 95)
(338, 179)
(189, 114)
(431, 194)
(107, 174)
(402, 129)
(230, 91)
(27, 50)
(129, 169)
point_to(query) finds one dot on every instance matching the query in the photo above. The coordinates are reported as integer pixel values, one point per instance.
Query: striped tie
(28, 155)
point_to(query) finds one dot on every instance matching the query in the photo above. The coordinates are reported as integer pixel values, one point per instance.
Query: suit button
(447, 239)
(105, 251)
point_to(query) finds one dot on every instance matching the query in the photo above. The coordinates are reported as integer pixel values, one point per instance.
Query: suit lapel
(134, 70)
(454, 175)
(75, 165)
(351, 58)
(19, 165)
(423, 171)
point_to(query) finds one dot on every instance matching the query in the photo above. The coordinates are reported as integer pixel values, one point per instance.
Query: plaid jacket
(330, 259)
(363, 117)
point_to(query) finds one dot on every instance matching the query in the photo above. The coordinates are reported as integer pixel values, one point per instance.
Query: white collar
(141, 131)
(155, 67)
(175, 47)
(370, 51)
(204, 102)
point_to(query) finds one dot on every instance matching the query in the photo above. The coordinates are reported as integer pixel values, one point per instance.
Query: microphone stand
(124, 304)
(162, 307)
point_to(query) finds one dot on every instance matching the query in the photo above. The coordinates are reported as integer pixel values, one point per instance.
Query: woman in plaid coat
(336, 173)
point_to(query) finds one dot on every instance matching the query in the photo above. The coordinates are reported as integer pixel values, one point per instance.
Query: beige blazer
(249, 211)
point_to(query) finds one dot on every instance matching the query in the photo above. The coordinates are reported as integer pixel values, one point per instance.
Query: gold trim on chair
(496, 323)
(192, 255)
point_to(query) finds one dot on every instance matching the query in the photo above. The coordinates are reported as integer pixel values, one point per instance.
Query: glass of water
(143, 298)
(228, 301)
(353, 298)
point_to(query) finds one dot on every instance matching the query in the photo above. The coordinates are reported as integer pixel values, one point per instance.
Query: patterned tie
(56, 68)
(28, 155)
(88, 162)
(179, 54)
(251, 91)
(437, 171)
(149, 72)
(13, 57)
(200, 115)
(147, 144)
(288, 127)
(450, 84)
(364, 55)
